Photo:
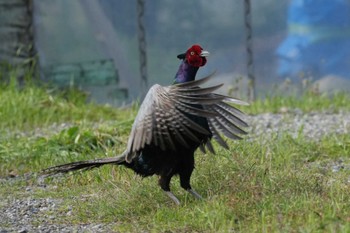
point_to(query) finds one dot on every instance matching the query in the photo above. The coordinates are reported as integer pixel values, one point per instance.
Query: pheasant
(172, 122)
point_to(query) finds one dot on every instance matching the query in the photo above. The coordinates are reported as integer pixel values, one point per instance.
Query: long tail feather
(83, 165)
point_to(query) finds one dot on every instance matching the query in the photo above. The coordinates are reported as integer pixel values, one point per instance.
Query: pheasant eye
(192, 53)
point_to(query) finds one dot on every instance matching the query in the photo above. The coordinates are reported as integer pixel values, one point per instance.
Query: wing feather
(200, 100)
(225, 121)
(223, 129)
(216, 135)
(210, 146)
(167, 118)
(199, 91)
(232, 117)
(195, 83)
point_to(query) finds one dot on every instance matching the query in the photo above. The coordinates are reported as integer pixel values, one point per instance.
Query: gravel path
(36, 215)
(312, 125)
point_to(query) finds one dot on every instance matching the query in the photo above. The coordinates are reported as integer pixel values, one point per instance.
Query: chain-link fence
(100, 45)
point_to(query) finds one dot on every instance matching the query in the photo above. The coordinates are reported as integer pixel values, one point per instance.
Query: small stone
(284, 110)
(23, 231)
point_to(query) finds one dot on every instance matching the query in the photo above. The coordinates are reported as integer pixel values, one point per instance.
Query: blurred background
(115, 50)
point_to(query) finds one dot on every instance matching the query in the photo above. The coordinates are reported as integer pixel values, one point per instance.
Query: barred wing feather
(163, 119)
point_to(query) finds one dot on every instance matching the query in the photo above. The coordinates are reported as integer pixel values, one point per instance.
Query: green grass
(307, 102)
(276, 185)
(33, 106)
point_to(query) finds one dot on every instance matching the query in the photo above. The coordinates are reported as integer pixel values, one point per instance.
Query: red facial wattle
(196, 61)
(194, 56)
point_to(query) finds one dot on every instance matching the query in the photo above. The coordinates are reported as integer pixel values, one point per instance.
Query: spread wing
(163, 118)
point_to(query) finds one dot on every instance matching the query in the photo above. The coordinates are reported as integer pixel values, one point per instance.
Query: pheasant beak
(204, 53)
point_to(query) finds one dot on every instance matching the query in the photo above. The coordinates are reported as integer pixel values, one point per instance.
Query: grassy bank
(283, 184)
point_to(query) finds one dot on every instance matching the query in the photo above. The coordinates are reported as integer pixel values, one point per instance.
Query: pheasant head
(193, 58)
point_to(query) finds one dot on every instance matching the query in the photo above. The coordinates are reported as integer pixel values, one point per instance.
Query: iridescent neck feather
(185, 73)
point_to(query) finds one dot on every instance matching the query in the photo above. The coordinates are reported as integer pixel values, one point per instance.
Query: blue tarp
(318, 40)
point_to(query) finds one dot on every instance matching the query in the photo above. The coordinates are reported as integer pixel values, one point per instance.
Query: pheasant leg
(194, 193)
(172, 197)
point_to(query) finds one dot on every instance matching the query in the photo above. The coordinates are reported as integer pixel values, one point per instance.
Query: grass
(307, 102)
(279, 185)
